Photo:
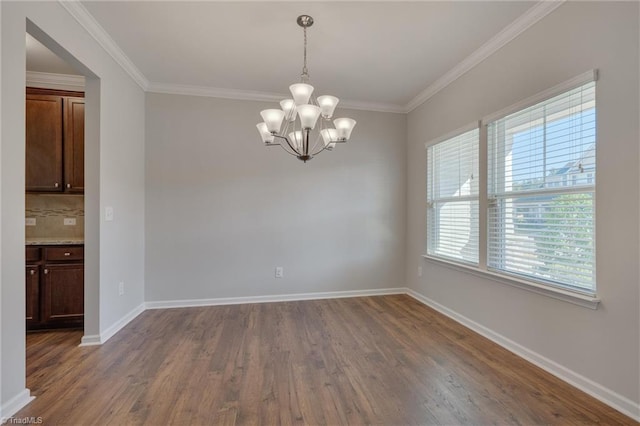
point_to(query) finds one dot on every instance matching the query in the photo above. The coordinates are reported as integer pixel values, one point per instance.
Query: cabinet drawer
(32, 254)
(64, 253)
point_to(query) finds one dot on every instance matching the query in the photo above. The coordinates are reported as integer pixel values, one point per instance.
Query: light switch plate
(30, 221)
(279, 272)
(108, 213)
(68, 221)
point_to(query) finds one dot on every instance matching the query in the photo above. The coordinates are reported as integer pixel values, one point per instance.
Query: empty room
(319, 212)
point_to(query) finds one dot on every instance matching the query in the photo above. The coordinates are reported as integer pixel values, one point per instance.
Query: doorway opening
(62, 98)
(54, 191)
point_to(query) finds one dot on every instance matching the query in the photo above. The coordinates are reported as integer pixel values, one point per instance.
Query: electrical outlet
(30, 221)
(121, 288)
(279, 271)
(419, 271)
(69, 221)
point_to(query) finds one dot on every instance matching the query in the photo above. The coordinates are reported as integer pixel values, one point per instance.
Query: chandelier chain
(305, 72)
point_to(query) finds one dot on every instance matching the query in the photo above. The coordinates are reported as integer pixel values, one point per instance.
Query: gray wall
(601, 345)
(114, 157)
(222, 210)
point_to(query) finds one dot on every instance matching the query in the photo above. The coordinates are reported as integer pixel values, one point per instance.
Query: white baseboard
(609, 397)
(90, 340)
(187, 303)
(15, 404)
(94, 339)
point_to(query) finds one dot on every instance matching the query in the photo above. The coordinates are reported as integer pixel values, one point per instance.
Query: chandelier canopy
(302, 114)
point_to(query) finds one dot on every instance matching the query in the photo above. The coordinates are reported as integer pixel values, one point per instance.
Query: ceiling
(382, 53)
(41, 59)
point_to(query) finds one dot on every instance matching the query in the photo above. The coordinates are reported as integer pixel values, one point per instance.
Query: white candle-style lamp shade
(266, 136)
(296, 140)
(289, 108)
(308, 115)
(344, 126)
(327, 105)
(329, 136)
(301, 93)
(273, 119)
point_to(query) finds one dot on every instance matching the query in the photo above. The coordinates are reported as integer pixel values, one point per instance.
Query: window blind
(541, 189)
(452, 198)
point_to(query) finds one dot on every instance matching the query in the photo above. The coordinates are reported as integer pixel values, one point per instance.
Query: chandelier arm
(286, 127)
(289, 144)
(324, 147)
(317, 141)
(287, 151)
(322, 125)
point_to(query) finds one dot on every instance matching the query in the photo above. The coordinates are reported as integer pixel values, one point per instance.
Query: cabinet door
(33, 295)
(44, 143)
(74, 145)
(63, 299)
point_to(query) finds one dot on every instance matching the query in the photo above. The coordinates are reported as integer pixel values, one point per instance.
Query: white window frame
(584, 299)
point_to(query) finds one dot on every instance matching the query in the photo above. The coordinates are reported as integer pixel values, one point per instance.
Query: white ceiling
(374, 52)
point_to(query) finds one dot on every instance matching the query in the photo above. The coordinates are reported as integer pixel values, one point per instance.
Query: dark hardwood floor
(374, 360)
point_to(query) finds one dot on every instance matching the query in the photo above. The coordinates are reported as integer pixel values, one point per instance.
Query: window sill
(575, 298)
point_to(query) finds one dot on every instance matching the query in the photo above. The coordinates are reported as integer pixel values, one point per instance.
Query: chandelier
(302, 114)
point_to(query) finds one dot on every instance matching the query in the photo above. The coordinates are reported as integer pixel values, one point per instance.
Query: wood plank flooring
(374, 360)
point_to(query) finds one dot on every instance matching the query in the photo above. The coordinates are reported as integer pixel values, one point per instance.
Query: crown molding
(250, 95)
(213, 92)
(88, 22)
(511, 31)
(373, 106)
(47, 80)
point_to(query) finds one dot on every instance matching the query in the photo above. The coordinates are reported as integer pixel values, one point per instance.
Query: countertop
(53, 241)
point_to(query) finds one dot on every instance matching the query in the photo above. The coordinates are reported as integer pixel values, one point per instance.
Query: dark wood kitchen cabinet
(63, 298)
(33, 295)
(54, 141)
(55, 287)
(44, 143)
(74, 145)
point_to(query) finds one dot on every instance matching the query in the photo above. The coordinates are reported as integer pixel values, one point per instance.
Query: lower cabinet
(63, 298)
(55, 287)
(33, 295)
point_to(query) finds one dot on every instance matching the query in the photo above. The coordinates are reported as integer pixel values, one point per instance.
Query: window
(531, 222)
(542, 158)
(452, 197)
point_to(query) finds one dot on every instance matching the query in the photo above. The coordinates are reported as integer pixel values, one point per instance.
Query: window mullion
(483, 168)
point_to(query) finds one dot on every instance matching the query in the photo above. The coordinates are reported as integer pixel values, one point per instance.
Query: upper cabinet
(54, 141)
(74, 145)
(44, 143)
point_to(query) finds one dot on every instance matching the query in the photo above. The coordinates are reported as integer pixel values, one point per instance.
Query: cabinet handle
(67, 253)
(55, 185)
(32, 272)
(46, 271)
(68, 185)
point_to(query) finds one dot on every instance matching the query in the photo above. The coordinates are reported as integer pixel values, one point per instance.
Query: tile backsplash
(49, 212)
